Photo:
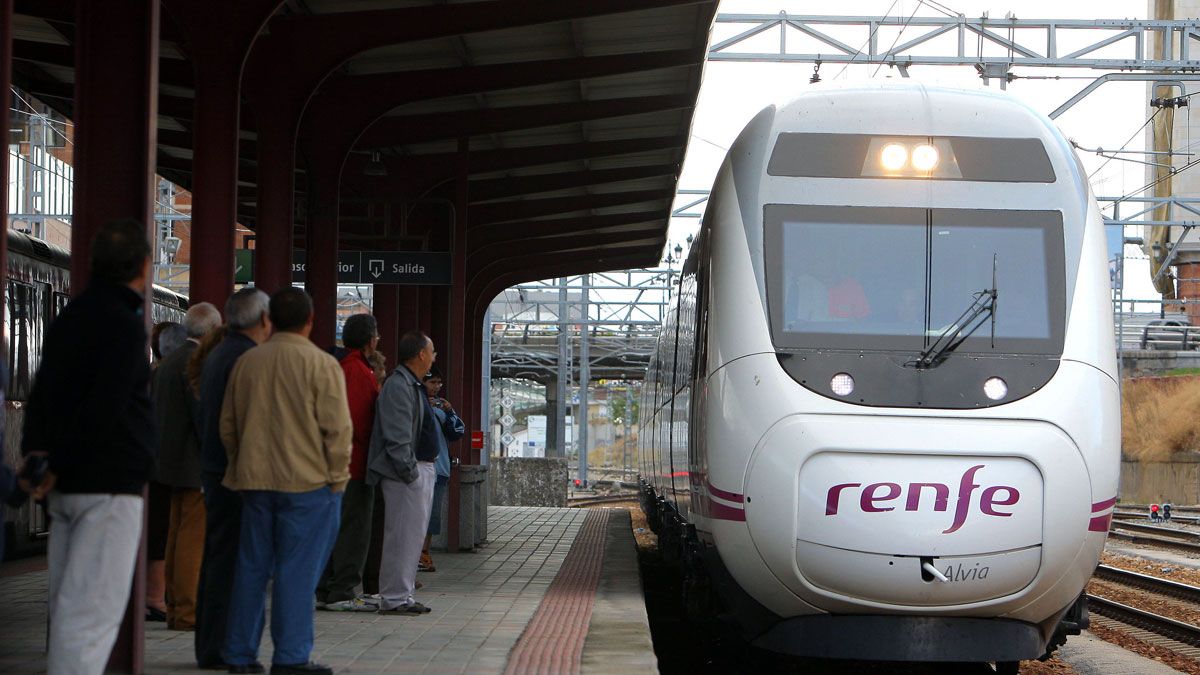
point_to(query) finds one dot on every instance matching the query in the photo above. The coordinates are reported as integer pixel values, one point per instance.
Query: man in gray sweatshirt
(399, 462)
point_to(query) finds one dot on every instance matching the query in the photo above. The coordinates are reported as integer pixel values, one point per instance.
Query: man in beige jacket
(286, 429)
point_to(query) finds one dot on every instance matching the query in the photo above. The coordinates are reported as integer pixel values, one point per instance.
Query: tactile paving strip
(553, 640)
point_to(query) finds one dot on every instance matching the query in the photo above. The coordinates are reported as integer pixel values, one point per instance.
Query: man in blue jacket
(248, 323)
(452, 429)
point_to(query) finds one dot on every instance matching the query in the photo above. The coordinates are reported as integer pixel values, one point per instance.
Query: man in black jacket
(248, 323)
(89, 414)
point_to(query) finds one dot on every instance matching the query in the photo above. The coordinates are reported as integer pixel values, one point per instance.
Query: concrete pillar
(1189, 288)
(116, 133)
(275, 218)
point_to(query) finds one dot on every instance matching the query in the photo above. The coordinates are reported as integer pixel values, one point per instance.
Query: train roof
(32, 247)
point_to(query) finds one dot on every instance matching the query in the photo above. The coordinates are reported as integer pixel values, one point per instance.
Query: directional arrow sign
(375, 267)
(417, 268)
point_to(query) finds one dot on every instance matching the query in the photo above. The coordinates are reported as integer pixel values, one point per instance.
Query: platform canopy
(574, 117)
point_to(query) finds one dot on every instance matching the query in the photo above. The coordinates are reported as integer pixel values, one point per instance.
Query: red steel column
(455, 377)
(275, 218)
(220, 34)
(6, 7)
(386, 308)
(116, 110)
(321, 251)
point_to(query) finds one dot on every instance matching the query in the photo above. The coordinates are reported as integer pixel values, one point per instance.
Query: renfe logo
(875, 498)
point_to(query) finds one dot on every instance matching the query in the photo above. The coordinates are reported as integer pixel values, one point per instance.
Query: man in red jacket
(343, 573)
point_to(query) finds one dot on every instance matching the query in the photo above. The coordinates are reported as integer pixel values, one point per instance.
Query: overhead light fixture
(375, 167)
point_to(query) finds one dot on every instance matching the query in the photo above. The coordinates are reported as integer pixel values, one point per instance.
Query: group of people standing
(268, 452)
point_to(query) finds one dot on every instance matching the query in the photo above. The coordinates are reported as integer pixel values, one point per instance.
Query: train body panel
(841, 460)
(39, 287)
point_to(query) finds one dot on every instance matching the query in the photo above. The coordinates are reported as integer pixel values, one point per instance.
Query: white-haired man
(178, 468)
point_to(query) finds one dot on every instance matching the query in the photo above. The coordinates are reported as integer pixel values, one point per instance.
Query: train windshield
(897, 278)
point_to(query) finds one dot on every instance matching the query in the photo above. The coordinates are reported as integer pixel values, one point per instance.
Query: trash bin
(472, 512)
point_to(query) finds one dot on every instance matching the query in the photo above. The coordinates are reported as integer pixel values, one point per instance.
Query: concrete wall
(528, 481)
(1152, 362)
(1177, 481)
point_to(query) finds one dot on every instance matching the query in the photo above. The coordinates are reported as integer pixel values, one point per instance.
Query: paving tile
(481, 601)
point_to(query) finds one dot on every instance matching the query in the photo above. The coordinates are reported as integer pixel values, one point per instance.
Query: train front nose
(861, 512)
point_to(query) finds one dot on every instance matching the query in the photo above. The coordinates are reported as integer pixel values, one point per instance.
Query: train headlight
(842, 384)
(893, 156)
(995, 388)
(924, 158)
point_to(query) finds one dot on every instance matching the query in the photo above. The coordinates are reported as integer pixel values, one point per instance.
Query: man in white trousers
(401, 461)
(89, 443)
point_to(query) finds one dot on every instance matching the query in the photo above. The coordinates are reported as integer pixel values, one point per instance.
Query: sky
(732, 93)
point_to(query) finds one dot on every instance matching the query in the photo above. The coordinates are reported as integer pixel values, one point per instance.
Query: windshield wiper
(983, 307)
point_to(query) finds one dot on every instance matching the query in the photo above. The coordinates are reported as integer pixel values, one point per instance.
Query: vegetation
(1182, 371)
(1159, 417)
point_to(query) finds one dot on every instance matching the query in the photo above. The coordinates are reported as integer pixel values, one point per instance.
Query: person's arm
(394, 414)
(333, 419)
(452, 425)
(229, 430)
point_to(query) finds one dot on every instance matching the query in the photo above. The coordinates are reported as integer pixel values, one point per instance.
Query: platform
(554, 591)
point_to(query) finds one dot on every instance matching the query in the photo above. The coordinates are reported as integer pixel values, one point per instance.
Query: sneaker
(319, 605)
(415, 608)
(353, 605)
(370, 599)
(426, 564)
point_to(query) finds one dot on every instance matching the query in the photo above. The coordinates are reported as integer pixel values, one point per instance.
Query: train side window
(61, 300)
(21, 347)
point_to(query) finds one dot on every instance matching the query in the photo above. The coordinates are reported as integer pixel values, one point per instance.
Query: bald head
(201, 318)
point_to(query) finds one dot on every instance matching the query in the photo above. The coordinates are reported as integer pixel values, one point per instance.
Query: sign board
(415, 268)
(537, 430)
(476, 440)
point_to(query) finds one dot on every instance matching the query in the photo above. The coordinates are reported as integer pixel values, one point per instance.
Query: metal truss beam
(972, 41)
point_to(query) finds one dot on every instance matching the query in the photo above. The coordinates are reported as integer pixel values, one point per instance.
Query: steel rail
(1155, 541)
(1125, 515)
(1143, 528)
(601, 499)
(1146, 582)
(1161, 625)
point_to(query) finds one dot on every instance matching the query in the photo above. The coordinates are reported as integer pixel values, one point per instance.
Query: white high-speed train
(883, 421)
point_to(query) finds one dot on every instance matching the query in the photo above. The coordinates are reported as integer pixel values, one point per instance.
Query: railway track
(1157, 530)
(1141, 515)
(1132, 616)
(1164, 537)
(1146, 582)
(600, 499)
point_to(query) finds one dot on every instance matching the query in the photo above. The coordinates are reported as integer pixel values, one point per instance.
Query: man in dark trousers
(89, 416)
(248, 323)
(343, 573)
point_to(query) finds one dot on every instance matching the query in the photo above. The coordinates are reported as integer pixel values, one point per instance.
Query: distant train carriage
(39, 286)
(883, 420)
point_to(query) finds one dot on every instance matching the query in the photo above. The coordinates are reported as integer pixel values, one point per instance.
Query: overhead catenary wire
(898, 35)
